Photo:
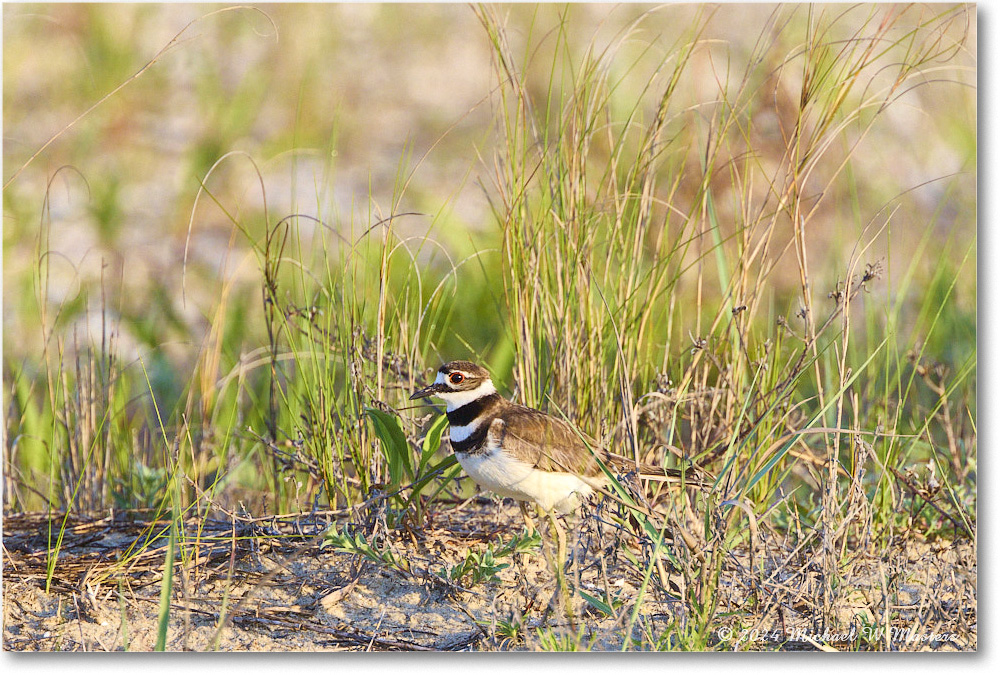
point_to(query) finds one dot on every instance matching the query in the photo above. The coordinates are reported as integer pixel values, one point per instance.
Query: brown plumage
(550, 444)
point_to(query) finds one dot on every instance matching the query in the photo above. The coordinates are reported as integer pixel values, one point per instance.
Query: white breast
(510, 477)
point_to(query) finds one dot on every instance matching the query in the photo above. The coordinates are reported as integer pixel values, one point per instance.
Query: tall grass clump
(345, 347)
(662, 262)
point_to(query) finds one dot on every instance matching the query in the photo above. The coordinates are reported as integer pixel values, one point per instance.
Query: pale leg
(562, 594)
(528, 522)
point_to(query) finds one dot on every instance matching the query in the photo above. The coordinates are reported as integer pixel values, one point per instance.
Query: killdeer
(519, 452)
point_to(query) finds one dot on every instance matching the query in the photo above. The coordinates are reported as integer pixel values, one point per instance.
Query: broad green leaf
(394, 445)
(432, 442)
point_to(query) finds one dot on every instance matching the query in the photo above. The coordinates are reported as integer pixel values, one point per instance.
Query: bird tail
(694, 476)
(687, 476)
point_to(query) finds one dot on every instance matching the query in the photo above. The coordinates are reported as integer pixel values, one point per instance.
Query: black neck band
(460, 417)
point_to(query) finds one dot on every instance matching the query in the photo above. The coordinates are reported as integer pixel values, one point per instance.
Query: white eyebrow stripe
(440, 378)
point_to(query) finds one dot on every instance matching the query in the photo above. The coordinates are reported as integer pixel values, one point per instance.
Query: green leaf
(394, 445)
(599, 605)
(527, 543)
(432, 441)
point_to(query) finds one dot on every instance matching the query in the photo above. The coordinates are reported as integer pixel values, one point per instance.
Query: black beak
(429, 391)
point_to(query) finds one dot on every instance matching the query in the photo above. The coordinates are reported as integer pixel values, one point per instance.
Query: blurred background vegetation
(296, 211)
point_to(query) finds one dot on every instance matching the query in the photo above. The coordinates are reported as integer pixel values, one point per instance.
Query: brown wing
(544, 441)
(551, 444)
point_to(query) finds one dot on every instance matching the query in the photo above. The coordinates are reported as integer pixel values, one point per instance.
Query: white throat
(456, 399)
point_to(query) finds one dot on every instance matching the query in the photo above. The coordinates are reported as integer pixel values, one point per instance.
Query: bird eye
(456, 378)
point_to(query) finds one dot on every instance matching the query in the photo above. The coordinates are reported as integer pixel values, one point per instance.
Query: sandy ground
(273, 588)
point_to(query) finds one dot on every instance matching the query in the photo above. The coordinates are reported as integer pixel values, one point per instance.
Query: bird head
(458, 383)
